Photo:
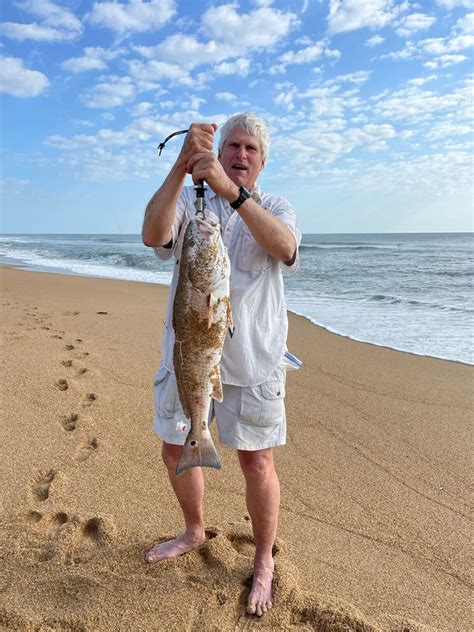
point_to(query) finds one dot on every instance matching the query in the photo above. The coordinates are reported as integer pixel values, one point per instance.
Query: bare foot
(260, 597)
(172, 548)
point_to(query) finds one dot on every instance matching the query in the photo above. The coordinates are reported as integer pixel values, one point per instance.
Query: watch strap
(244, 195)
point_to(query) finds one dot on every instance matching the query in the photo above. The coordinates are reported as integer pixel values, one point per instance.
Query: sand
(374, 529)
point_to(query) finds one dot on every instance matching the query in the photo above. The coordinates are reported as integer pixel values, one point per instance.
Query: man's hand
(206, 166)
(199, 139)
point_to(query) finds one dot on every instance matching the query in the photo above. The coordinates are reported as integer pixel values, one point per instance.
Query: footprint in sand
(69, 422)
(30, 517)
(41, 484)
(86, 448)
(89, 399)
(102, 312)
(62, 385)
(58, 519)
(80, 371)
(57, 336)
(91, 536)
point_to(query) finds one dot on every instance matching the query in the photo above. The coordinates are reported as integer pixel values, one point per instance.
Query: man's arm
(269, 231)
(160, 212)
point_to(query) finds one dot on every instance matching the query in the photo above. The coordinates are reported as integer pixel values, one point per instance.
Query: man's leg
(263, 501)
(189, 490)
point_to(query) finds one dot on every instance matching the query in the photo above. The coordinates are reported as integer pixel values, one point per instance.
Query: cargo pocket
(252, 257)
(165, 393)
(263, 405)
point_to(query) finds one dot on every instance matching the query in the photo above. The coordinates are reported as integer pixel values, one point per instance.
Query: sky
(369, 105)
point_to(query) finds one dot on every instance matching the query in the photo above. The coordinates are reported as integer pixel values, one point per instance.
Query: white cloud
(229, 33)
(19, 81)
(309, 54)
(156, 71)
(132, 16)
(194, 103)
(57, 23)
(286, 98)
(187, 51)
(375, 40)
(417, 106)
(109, 94)
(304, 55)
(226, 96)
(349, 15)
(451, 4)
(94, 58)
(53, 14)
(141, 109)
(410, 24)
(359, 77)
(83, 123)
(258, 29)
(445, 60)
(420, 81)
(445, 45)
(465, 25)
(442, 49)
(240, 67)
(448, 129)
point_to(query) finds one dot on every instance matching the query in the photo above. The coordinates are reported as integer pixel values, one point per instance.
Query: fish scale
(201, 317)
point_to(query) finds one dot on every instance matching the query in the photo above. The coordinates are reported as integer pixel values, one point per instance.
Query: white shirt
(256, 289)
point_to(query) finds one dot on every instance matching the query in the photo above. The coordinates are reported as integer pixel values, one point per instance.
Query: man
(260, 233)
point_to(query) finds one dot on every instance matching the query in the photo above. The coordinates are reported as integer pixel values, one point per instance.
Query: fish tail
(198, 453)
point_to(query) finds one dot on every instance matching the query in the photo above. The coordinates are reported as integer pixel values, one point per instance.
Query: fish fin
(202, 454)
(230, 322)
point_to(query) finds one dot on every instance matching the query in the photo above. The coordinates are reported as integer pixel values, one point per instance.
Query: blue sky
(369, 104)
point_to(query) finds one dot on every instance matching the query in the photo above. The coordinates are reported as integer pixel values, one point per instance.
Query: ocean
(411, 292)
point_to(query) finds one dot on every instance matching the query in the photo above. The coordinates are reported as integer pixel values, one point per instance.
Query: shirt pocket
(252, 257)
(165, 393)
(263, 405)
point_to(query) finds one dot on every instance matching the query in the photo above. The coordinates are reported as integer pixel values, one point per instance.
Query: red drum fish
(201, 317)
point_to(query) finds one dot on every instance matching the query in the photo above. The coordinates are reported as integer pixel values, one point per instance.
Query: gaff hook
(200, 202)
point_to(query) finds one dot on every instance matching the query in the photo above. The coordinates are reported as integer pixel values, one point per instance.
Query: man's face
(242, 158)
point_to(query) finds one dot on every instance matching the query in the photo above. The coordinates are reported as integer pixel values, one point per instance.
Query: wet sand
(374, 531)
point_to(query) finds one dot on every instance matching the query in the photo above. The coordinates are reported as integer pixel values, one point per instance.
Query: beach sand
(374, 529)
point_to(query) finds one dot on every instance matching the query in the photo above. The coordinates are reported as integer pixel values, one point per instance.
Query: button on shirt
(256, 289)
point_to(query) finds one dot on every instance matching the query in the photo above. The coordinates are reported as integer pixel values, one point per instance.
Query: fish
(201, 318)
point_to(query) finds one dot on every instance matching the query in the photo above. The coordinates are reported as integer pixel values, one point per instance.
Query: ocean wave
(389, 299)
(454, 357)
(304, 246)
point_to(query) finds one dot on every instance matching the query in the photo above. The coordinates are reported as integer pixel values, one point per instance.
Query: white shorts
(249, 417)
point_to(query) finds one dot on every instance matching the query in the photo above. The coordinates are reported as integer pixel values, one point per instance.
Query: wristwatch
(244, 195)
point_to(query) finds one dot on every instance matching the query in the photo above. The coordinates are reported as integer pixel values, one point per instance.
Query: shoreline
(66, 273)
(374, 528)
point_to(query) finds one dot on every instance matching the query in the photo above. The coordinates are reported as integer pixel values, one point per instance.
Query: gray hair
(252, 125)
